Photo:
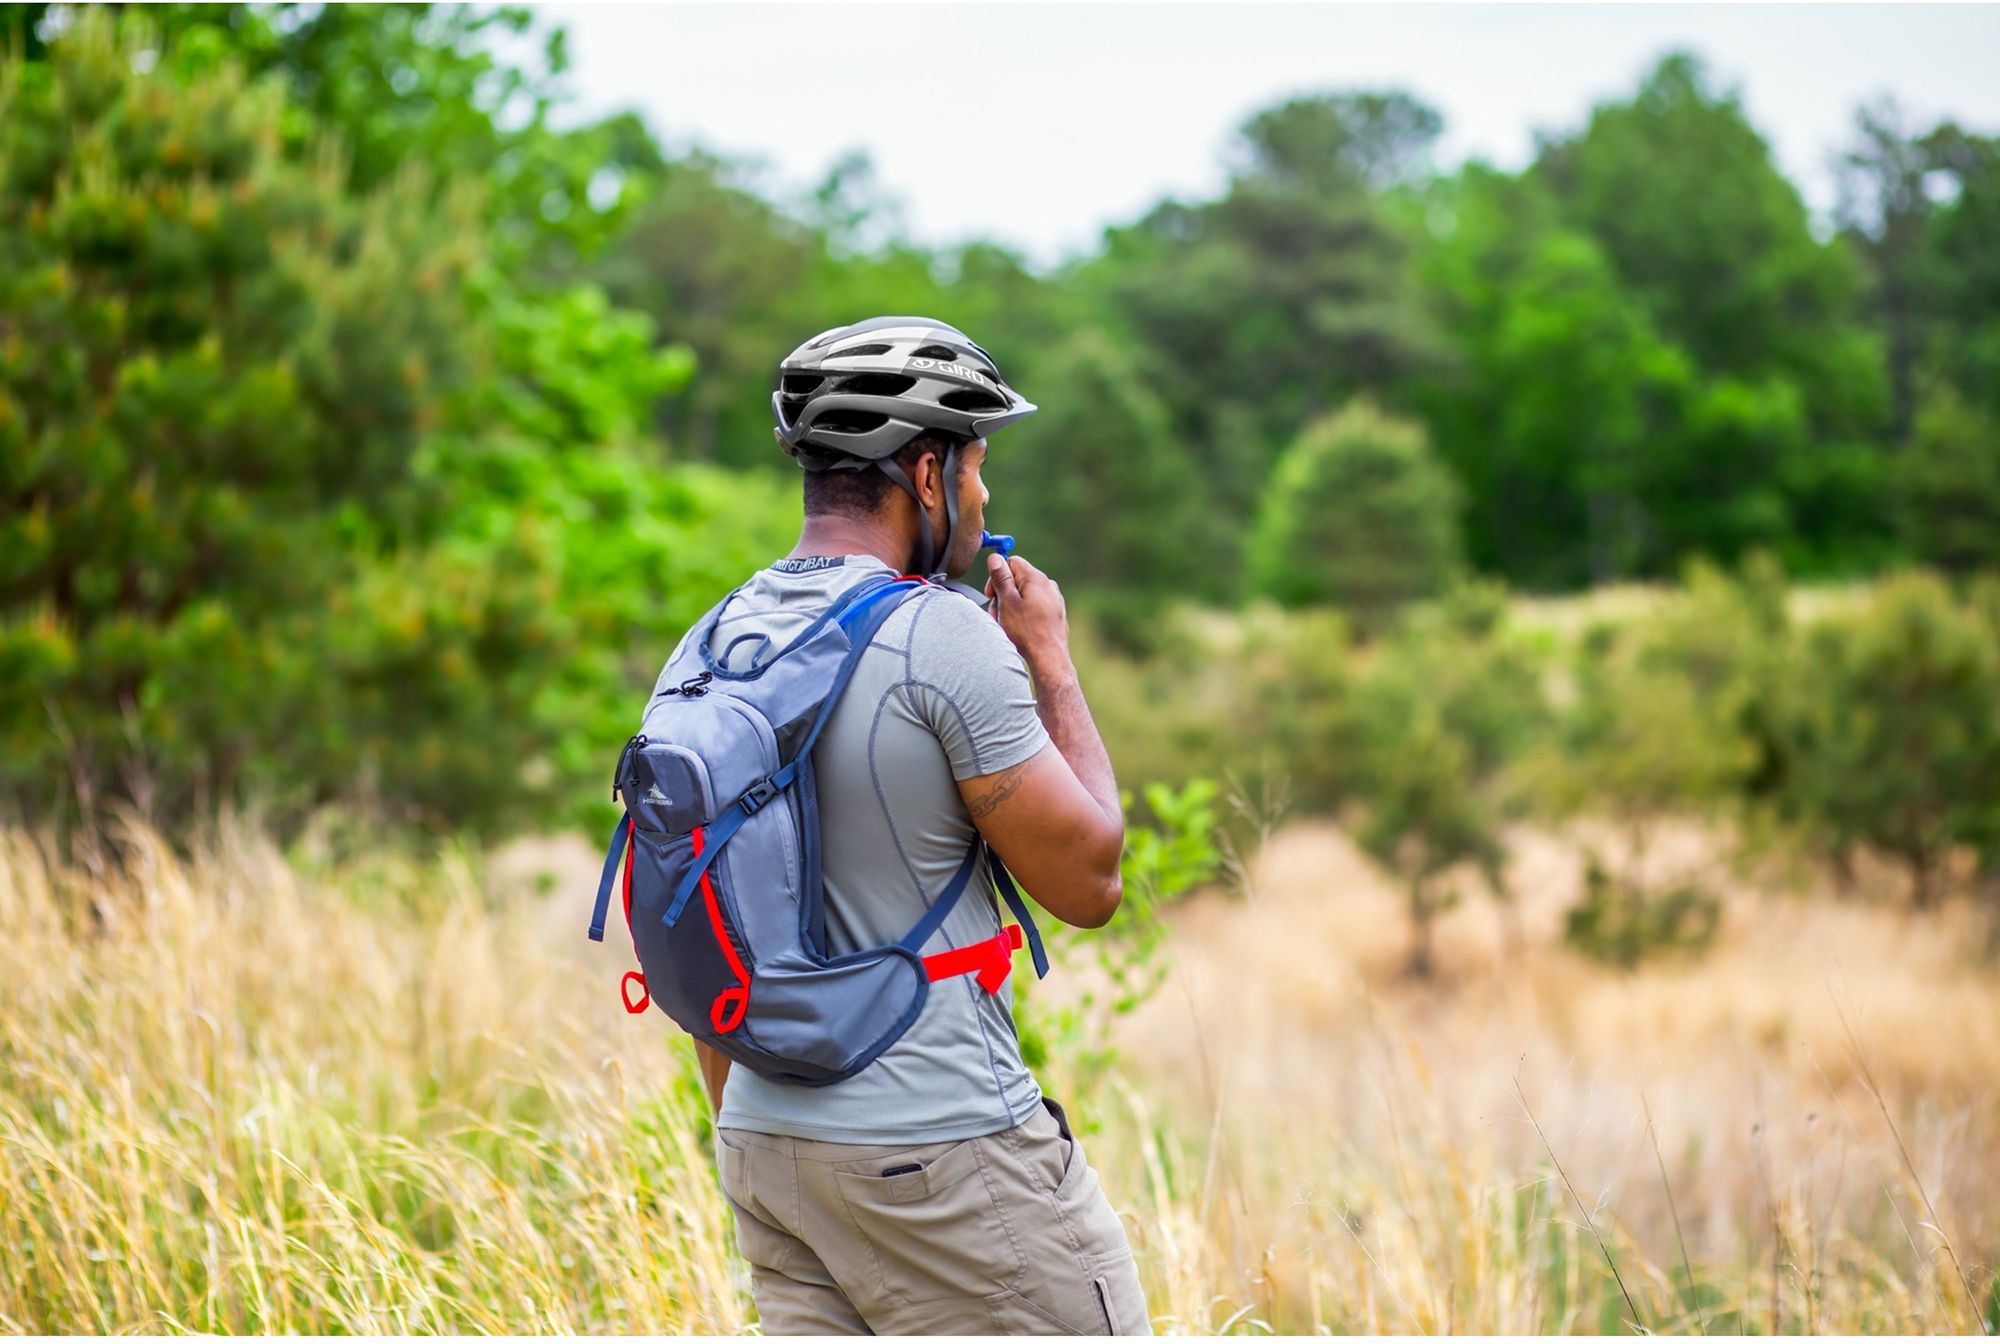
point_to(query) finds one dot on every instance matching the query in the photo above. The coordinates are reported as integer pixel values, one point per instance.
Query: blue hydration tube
(1001, 543)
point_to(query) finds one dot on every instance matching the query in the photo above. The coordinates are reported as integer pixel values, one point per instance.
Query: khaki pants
(1008, 1233)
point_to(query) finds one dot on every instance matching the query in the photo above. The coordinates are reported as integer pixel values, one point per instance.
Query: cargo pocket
(934, 1234)
(1103, 1287)
(1115, 1280)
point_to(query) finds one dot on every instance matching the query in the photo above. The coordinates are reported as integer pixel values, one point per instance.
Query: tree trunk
(1923, 886)
(1421, 963)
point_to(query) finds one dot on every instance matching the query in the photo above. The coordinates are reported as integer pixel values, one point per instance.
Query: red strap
(992, 959)
(631, 978)
(726, 1013)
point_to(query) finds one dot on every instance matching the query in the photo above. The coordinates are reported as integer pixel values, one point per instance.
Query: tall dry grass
(240, 1092)
(1385, 1156)
(235, 1097)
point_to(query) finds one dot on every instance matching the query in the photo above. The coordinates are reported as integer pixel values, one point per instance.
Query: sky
(1039, 125)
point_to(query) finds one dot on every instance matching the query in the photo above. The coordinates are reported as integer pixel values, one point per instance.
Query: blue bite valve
(1001, 543)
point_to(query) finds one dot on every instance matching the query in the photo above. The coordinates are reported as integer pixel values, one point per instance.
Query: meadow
(331, 1089)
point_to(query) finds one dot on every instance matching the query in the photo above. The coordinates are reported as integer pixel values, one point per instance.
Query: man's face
(971, 505)
(972, 499)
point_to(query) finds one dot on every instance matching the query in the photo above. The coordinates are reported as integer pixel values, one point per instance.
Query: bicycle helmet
(849, 398)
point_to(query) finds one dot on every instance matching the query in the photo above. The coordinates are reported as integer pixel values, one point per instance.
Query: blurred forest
(369, 429)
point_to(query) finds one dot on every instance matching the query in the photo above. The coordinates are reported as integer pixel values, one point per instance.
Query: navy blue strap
(1005, 882)
(611, 857)
(713, 839)
(853, 619)
(934, 917)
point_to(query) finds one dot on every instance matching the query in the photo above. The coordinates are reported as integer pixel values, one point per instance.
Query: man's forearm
(1060, 703)
(714, 1073)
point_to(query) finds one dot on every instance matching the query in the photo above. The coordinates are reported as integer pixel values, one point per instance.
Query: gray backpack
(720, 845)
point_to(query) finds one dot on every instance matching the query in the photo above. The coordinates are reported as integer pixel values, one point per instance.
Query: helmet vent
(797, 384)
(878, 384)
(943, 352)
(855, 351)
(971, 399)
(840, 420)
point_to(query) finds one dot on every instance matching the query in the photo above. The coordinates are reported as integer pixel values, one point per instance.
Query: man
(937, 1191)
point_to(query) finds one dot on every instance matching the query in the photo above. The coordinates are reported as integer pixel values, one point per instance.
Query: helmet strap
(929, 558)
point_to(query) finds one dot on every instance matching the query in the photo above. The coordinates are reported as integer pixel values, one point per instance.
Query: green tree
(1899, 735)
(427, 84)
(1564, 394)
(299, 498)
(1437, 717)
(718, 270)
(1097, 484)
(1782, 438)
(215, 367)
(1949, 485)
(1964, 251)
(1281, 300)
(1358, 513)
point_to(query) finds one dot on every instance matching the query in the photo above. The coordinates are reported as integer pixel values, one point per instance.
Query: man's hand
(1054, 818)
(1029, 607)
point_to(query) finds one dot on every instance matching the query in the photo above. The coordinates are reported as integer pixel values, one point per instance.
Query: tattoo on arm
(1004, 785)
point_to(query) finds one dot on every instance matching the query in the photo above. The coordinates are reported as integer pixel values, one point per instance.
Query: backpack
(720, 847)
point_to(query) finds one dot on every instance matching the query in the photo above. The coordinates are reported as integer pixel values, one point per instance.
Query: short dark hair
(861, 494)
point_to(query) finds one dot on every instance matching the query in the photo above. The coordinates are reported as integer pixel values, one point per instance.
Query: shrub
(1621, 924)
(1898, 733)
(1164, 860)
(1357, 513)
(1439, 713)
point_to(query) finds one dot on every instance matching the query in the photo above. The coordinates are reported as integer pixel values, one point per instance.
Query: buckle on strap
(754, 797)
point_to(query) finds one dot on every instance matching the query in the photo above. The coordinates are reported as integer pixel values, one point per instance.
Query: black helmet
(848, 398)
(852, 396)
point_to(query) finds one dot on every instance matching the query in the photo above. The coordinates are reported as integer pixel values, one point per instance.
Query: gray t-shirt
(941, 695)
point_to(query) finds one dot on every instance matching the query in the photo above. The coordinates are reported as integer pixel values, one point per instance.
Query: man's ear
(929, 479)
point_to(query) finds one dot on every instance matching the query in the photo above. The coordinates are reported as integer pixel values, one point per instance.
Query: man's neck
(832, 534)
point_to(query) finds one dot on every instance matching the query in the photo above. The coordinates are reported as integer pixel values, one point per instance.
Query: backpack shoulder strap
(860, 614)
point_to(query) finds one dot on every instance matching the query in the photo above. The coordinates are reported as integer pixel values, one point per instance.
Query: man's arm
(714, 1073)
(1054, 819)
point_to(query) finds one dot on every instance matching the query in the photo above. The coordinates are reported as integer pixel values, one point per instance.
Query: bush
(1440, 711)
(1623, 925)
(1359, 514)
(1674, 713)
(1898, 734)
(1164, 860)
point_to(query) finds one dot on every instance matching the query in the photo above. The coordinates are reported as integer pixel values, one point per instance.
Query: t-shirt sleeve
(968, 683)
